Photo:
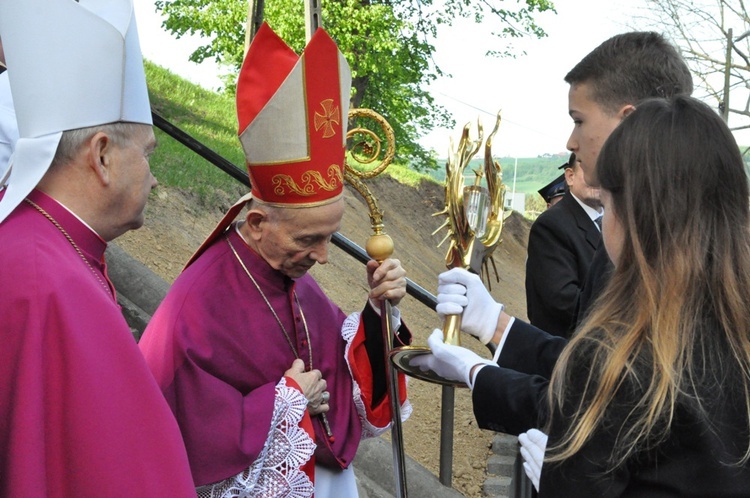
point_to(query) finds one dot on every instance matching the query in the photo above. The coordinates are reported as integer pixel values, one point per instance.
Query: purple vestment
(218, 353)
(80, 413)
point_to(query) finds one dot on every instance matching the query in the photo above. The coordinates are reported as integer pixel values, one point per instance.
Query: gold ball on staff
(379, 247)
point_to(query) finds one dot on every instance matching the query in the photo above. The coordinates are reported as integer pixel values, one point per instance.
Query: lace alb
(277, 470)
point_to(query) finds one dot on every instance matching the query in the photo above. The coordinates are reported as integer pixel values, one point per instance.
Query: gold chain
(323, 418)
(72, 243)
(278, 320)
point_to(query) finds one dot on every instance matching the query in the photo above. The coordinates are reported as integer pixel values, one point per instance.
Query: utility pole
(254, 20)
(312, 18)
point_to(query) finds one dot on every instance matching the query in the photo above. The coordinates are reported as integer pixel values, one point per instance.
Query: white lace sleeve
(348, 331)
(276, 472)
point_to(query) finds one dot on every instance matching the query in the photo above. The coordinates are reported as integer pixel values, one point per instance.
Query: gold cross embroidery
(327, 119)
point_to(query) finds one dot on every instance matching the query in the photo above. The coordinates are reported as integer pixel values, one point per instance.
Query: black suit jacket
(696, 459)
(599, 273)
(513, 398)
(562, 242)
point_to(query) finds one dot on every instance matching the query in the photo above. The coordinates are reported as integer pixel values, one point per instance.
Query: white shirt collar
(591, 212)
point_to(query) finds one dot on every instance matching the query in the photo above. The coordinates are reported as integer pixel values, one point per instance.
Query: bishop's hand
(313, 386)
(387, 280)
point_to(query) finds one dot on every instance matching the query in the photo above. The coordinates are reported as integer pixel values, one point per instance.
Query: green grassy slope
(207, 116)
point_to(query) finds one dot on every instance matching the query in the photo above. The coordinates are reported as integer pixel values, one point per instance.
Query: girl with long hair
(651, 396)
(653, 391)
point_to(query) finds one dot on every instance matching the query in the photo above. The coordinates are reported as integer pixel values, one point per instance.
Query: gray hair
(121, 133)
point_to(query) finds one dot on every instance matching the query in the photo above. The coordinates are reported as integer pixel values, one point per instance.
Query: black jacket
(513, 399)
(697, 459)
(562, 242)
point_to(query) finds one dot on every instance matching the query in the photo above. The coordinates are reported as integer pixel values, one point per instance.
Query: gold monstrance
(474, 221)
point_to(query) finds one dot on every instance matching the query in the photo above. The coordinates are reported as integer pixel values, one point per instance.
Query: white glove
(462, 292)
(533, 444)
(448, 361)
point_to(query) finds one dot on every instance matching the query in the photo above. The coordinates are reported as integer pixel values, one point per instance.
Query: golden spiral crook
(365, 149)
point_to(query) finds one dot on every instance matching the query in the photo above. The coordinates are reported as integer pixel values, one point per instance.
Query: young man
(80, 413)
(562, 241)
(607, 84)
(273, 386)
(604, 88)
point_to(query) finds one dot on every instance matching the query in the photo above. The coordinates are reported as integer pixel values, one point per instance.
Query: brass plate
(400, 358)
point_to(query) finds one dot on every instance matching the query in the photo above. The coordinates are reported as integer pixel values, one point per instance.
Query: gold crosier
(474, 223)
(365, 150)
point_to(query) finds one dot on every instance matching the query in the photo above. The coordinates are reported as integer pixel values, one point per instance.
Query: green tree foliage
(388, 44)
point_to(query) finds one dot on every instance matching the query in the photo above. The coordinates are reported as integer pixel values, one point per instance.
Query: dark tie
(598, 222)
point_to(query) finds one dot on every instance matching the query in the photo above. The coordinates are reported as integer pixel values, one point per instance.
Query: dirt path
(175, 226)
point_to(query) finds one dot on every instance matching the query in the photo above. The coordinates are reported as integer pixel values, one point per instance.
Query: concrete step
(505, 444)
(374, 462)
(368, 488)
(500, 465)
(497, 486)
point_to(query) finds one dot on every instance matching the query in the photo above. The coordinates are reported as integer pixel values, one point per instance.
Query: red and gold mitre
(292, 112)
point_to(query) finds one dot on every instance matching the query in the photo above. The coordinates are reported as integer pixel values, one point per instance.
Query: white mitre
(75, 65)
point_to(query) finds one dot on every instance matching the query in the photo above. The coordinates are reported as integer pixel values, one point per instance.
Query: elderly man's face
(132, 178)
(293, 240)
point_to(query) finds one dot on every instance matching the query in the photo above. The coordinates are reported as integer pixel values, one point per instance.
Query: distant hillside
(530, 174)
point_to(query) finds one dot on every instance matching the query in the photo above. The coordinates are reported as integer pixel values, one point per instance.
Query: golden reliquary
(474, 221)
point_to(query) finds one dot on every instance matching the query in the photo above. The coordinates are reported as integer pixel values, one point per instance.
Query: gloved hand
(533, 444)
(462, 292)
(448, 361)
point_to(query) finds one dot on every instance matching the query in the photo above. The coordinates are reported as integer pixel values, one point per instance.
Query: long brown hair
(675, 315)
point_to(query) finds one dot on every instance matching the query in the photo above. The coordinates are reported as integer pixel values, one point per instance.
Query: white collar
(591, 212)
(71, 212)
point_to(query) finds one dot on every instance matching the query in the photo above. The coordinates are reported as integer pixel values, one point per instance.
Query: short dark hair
(630, 67)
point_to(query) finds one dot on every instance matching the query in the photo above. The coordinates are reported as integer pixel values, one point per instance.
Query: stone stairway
(500, 466)
(506, 478)
(373, 468)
